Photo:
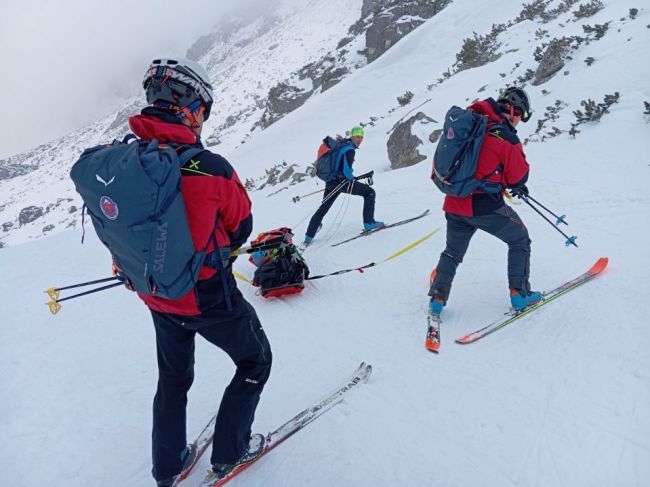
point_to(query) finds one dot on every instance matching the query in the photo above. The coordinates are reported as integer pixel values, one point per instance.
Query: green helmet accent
(356, 131)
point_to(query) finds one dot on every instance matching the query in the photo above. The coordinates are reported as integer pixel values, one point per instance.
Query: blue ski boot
(436, 305)
(521, 299)
(367, 227)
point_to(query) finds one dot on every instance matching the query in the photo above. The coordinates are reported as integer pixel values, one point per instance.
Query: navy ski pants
(331, 193)
(239, 334)
(503, 223)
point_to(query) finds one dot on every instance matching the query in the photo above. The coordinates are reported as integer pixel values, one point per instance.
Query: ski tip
(467, 339)
(599, 266)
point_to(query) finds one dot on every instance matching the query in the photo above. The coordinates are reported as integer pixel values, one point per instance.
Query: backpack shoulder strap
(129, 137)
(345, 147)
(185, 155)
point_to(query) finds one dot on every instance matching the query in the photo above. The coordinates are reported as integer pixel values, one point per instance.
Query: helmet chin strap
(192, 118)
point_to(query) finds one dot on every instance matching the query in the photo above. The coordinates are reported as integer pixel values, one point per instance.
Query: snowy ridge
(560, 398)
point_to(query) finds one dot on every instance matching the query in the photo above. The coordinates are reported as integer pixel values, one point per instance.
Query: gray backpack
(132, 192)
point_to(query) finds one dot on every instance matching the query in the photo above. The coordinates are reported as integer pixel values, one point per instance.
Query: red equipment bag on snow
(280, 270)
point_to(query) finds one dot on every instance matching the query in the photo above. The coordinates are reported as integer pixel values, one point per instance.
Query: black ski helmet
(178, 81)
(518, 98)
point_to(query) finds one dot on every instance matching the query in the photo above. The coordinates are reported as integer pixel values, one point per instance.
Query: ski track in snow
(559, 398)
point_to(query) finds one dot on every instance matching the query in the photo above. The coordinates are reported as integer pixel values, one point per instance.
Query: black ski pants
(503, 223)
(238, 333)
(332, 191)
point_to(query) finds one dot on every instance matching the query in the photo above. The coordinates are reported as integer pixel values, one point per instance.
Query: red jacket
(210, 186)
(500, 147)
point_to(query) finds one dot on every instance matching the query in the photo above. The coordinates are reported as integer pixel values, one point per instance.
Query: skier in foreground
(180, 97)
(488, 212)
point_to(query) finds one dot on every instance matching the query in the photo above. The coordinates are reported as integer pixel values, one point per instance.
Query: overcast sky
(64, 64)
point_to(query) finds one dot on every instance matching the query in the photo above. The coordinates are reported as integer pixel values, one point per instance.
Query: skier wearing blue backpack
(334, 166)
(170, 212)
(478, 157)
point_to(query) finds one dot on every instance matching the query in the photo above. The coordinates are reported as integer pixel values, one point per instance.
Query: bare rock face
(29, 214)
(282, 99)
(552, 61)
(393, 19)
(435, 135)
(403, 145)
(18, 165)
(383, 22)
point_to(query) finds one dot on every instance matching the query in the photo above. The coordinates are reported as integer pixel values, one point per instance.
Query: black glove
(520, 191)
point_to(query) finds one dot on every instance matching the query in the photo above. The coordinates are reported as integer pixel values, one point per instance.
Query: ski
(299, 421)
(390, 225)
(201, 443)
(432, 342)
(548, 296)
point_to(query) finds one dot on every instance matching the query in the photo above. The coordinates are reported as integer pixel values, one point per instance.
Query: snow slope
(561, 398)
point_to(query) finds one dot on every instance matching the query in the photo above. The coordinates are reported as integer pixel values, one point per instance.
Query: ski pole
(55, 305)
(53, 292)
(295, 199)
(569, 240)
(560, 219)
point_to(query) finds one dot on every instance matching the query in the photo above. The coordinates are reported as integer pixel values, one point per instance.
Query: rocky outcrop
(29, 214)
(393, 19)
(383, 23)
(18, 165)
(403, 145)
(283, 99)
(552, 60)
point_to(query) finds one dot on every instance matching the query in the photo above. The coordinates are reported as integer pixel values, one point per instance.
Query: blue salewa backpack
(456, 157)
(132, 192)
(330, 154)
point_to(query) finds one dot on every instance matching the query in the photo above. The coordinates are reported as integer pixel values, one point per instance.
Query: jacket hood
(153, 123)
(490, 109)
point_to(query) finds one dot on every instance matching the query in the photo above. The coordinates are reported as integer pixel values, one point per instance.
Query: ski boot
(222, 470)
(368, 227)
(436, 305)
(188, 457)
(521, 299)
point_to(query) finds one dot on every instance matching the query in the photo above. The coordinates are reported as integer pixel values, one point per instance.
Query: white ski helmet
(178, 81)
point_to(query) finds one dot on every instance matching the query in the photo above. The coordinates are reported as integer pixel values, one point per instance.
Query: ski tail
(432, 342)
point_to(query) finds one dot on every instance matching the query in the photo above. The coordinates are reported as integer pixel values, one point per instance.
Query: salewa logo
(160, 249)
(452, 118)
(251, 381)
(101, 180)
